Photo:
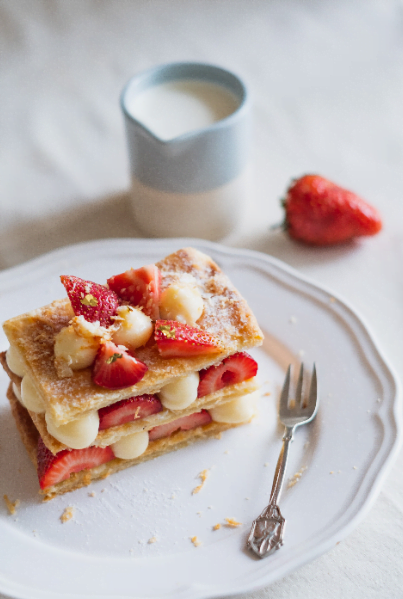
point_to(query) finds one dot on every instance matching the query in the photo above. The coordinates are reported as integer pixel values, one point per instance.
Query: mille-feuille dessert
(120, 373)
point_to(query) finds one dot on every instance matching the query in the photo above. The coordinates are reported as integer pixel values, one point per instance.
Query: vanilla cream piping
(14, 361)
(78, 433)
(131, 446)
(30, 396)
(181, 393)
(240, 409)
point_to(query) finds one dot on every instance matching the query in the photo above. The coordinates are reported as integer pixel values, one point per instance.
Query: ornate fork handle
(267, 530)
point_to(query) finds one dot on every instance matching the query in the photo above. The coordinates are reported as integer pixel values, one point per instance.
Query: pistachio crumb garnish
(167, 331)
(113, 358)
(89, 300)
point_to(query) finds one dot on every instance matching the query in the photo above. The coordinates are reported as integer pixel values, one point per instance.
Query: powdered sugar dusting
(225, 315)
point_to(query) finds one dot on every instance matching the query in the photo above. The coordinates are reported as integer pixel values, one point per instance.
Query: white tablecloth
(327, 83)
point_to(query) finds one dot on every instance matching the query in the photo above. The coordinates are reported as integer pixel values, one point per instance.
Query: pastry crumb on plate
(11, 505)
(203, 475)
(232, 523)
(296, 477)
(67, 514)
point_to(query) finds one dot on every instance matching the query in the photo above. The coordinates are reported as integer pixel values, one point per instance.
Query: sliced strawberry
(234, 369)
(93, 301)
(127, 410)
(115, 368)
(53, 469)
(141, 287)
(186, 423)
(176, 340)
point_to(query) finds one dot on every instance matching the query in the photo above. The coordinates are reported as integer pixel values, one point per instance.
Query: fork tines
(301, 405)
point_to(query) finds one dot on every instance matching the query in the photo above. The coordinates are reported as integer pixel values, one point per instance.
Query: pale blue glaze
(197, 161)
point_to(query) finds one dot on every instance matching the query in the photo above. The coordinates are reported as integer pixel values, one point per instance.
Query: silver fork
(267, 530)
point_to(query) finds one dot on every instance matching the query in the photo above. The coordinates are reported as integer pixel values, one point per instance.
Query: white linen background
(327, 83)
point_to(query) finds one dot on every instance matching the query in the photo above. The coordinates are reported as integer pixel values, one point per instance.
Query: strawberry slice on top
(128, 410)
(53, 469)
(140, 287)
(115, 368)
(177, 340)
(186, 423)
(91, 300)
(235, 369)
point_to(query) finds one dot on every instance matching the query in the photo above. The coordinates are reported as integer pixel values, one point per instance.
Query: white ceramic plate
(104, 549)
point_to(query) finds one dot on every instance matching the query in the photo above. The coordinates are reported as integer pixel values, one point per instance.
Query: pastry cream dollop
(239, 409)
(30, 397)
(182, 303)
(14, 361)
(77, 434)
(131, 446)
(77, 344)
(181, 393)
(135, 327)
(17, 393)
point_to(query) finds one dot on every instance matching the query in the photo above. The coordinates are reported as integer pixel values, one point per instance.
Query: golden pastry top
(226, 315)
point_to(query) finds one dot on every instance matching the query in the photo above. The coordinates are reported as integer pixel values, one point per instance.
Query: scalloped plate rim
(364, 503)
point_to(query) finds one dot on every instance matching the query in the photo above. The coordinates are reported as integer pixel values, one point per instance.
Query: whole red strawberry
(319, 212)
